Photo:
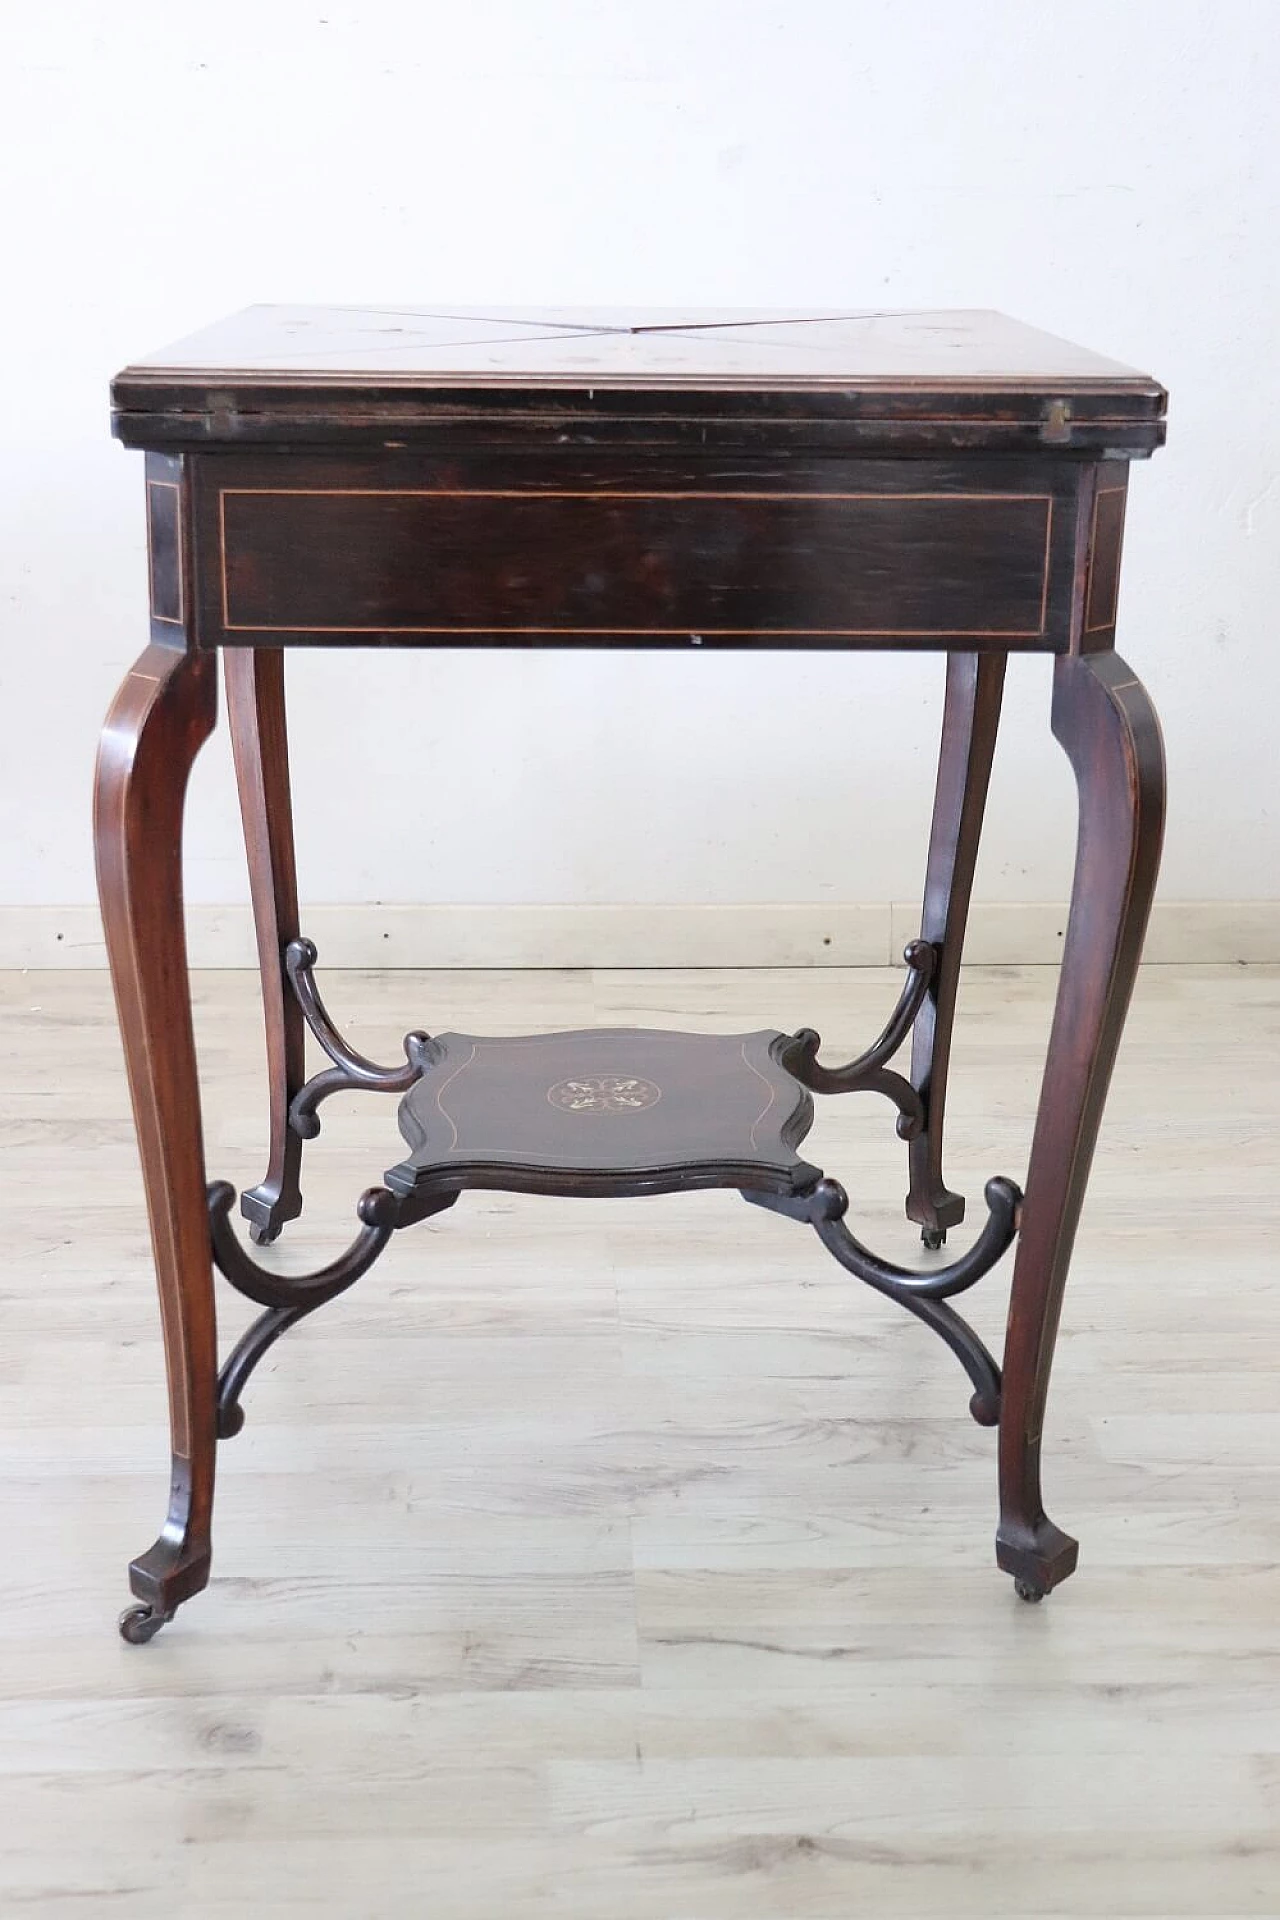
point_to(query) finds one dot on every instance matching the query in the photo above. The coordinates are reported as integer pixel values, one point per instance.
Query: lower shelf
(601, 1112)
(598, 1112)
(605, 1112)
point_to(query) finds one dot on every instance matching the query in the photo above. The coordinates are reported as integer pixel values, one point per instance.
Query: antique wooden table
(360, 477)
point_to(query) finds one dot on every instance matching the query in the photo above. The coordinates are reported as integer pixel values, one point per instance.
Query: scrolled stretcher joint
(287, 1298)
(925, 1294)
(351, 1071)
(870, 1073)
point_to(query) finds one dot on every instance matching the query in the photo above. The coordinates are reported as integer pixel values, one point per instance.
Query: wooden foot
(1108, 727)
(260, 745)
(161, 717)
(971, 717)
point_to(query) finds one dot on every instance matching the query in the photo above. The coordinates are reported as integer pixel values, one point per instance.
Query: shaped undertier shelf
(607, 1112)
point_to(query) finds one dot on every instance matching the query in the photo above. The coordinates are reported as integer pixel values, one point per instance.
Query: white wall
(1107, 169)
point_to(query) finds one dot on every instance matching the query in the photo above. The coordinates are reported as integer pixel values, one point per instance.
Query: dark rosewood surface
(708, 563)
(260, 747)
(577, 548)
(879, 379)
(614, 1109)
(446, 476)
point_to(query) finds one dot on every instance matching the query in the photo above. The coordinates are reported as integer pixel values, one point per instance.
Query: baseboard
(804, 935)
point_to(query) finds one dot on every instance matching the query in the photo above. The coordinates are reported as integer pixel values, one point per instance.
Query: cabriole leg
(162, 715)
(1106, 723)
(259, 743)
(971, 717)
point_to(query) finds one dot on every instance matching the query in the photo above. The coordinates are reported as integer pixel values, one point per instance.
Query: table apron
(1012, 555)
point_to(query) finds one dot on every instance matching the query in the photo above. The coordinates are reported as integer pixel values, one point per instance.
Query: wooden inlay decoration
(604, 1101)
(500, 561)
(1105, 540)
(164, 551)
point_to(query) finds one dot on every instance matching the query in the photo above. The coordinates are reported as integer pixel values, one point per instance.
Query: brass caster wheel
(140, 1624)
(932, 1238)
(1025, 1591)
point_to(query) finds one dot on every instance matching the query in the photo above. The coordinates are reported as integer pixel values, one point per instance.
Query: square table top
(419, 363)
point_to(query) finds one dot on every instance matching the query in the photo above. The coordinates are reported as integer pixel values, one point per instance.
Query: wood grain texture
(579, 548)
(883, 381)
(710, 563)
(260, 746)
(605, 1113)
(577, 1562)
(1106, 540)
(970, 720)
(161, 717)
(165, 581)
(1109, 732)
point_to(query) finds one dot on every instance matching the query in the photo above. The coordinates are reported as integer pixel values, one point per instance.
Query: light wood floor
(627, 1561)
